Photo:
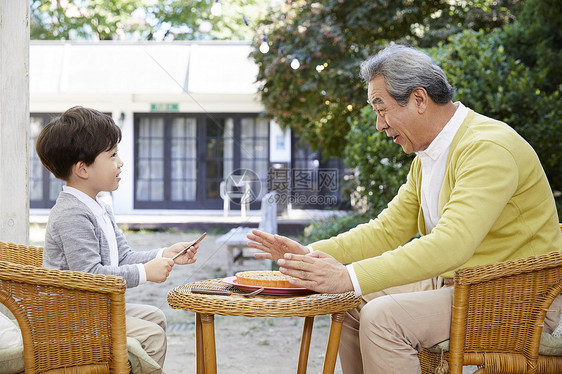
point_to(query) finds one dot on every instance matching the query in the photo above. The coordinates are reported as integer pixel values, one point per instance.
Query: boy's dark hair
(79, 134)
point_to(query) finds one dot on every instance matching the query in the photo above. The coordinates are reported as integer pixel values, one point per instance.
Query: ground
(244, 345)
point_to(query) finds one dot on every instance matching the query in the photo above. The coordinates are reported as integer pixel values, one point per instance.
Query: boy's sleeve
(126, 255)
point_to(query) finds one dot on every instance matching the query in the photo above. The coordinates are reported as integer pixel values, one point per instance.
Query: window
(181, 160)
(44, 188)
(254, 148)
(316, 183)
(150, 160)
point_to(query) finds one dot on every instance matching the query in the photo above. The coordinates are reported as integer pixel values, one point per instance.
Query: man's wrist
(354, 281)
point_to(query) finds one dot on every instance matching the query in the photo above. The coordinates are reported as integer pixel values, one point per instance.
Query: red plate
(267, 290)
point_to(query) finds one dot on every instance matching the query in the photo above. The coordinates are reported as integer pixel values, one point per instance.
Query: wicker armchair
(71, 322)
(497, 318)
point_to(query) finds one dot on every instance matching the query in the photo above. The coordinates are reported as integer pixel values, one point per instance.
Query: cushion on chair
(10, 335)
(141, 362)
(437, 348)
(11, 360)
(11, 347)
(549, 346)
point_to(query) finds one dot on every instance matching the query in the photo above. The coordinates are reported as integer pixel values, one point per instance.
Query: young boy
(80, 148)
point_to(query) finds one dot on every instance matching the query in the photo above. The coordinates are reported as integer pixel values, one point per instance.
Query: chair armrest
(501, 307)
(485, 273)
(67, 318)
(21, 254)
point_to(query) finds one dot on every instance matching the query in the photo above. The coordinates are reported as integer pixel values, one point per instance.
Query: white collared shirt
(104, 221)
(434, 162)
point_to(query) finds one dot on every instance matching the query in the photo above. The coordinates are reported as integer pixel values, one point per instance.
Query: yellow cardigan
(495, 205)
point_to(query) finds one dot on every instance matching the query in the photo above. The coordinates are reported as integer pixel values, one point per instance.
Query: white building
(190, 117)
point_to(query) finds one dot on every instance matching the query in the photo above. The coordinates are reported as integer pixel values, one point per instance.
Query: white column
(14, 121)
(123, 113)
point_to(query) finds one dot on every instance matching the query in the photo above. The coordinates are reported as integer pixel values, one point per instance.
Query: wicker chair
(71, 322)
(497, 318)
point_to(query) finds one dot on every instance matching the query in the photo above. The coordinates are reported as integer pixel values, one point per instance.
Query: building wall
(129, 80)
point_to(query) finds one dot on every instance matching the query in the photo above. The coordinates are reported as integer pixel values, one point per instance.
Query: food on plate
(264, 278)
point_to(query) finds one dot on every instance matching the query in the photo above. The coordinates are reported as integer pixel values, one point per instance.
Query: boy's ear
(80, 170)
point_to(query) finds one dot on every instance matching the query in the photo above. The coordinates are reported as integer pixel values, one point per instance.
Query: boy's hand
(158, 269)
(185, 259)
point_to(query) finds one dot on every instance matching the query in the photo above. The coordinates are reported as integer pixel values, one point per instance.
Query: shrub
(498, 85)
(381, 166)
(331, 227)
(488, 80)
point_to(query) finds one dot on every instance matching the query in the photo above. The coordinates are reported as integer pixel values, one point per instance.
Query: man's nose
(381, 123)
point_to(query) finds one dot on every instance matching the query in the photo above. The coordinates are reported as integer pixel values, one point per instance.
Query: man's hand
(158, 269)
(316, 271)
(275, 246)
(185, 259)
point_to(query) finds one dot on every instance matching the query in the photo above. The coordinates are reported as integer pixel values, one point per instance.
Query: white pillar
(14, 121)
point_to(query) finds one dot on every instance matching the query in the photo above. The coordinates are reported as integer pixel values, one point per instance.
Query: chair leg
(333, 343)
(305, 345)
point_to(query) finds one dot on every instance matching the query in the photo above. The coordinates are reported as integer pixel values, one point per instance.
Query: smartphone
(189, 246)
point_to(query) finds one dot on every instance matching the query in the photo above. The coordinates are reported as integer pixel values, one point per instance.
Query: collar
(445, 137)
(94, 205)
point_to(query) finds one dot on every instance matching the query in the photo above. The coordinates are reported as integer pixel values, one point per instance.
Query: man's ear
(421, 98)
(80, 170)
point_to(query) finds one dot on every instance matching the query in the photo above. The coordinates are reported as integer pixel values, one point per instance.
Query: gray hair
(404, 69)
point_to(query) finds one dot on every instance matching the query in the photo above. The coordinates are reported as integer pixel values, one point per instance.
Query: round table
(308, 306)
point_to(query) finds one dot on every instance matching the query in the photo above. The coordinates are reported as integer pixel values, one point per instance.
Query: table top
(236, 304)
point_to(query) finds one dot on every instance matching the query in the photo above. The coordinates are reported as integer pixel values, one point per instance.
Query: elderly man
(476, 192)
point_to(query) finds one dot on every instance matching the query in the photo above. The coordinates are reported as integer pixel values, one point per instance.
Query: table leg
(199, 351)
(305, 345)
(333, 343)
(209, 361)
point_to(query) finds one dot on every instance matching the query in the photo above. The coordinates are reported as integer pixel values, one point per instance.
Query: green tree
(93, 19)
(189, 19)
(538, 42)
(381, 165)
(498, 84)
(488, 80)
(143, 19)
(330, 38)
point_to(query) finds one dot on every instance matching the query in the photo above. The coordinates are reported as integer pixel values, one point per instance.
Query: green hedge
(331, 227)
(498, 85)
(381, 165)
(487, 80)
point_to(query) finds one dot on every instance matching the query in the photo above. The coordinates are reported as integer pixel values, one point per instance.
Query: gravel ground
(244, 345)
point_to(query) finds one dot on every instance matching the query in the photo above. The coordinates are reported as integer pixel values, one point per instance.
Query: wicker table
(307, 306)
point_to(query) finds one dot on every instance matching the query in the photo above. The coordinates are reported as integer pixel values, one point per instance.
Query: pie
(264, 278)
